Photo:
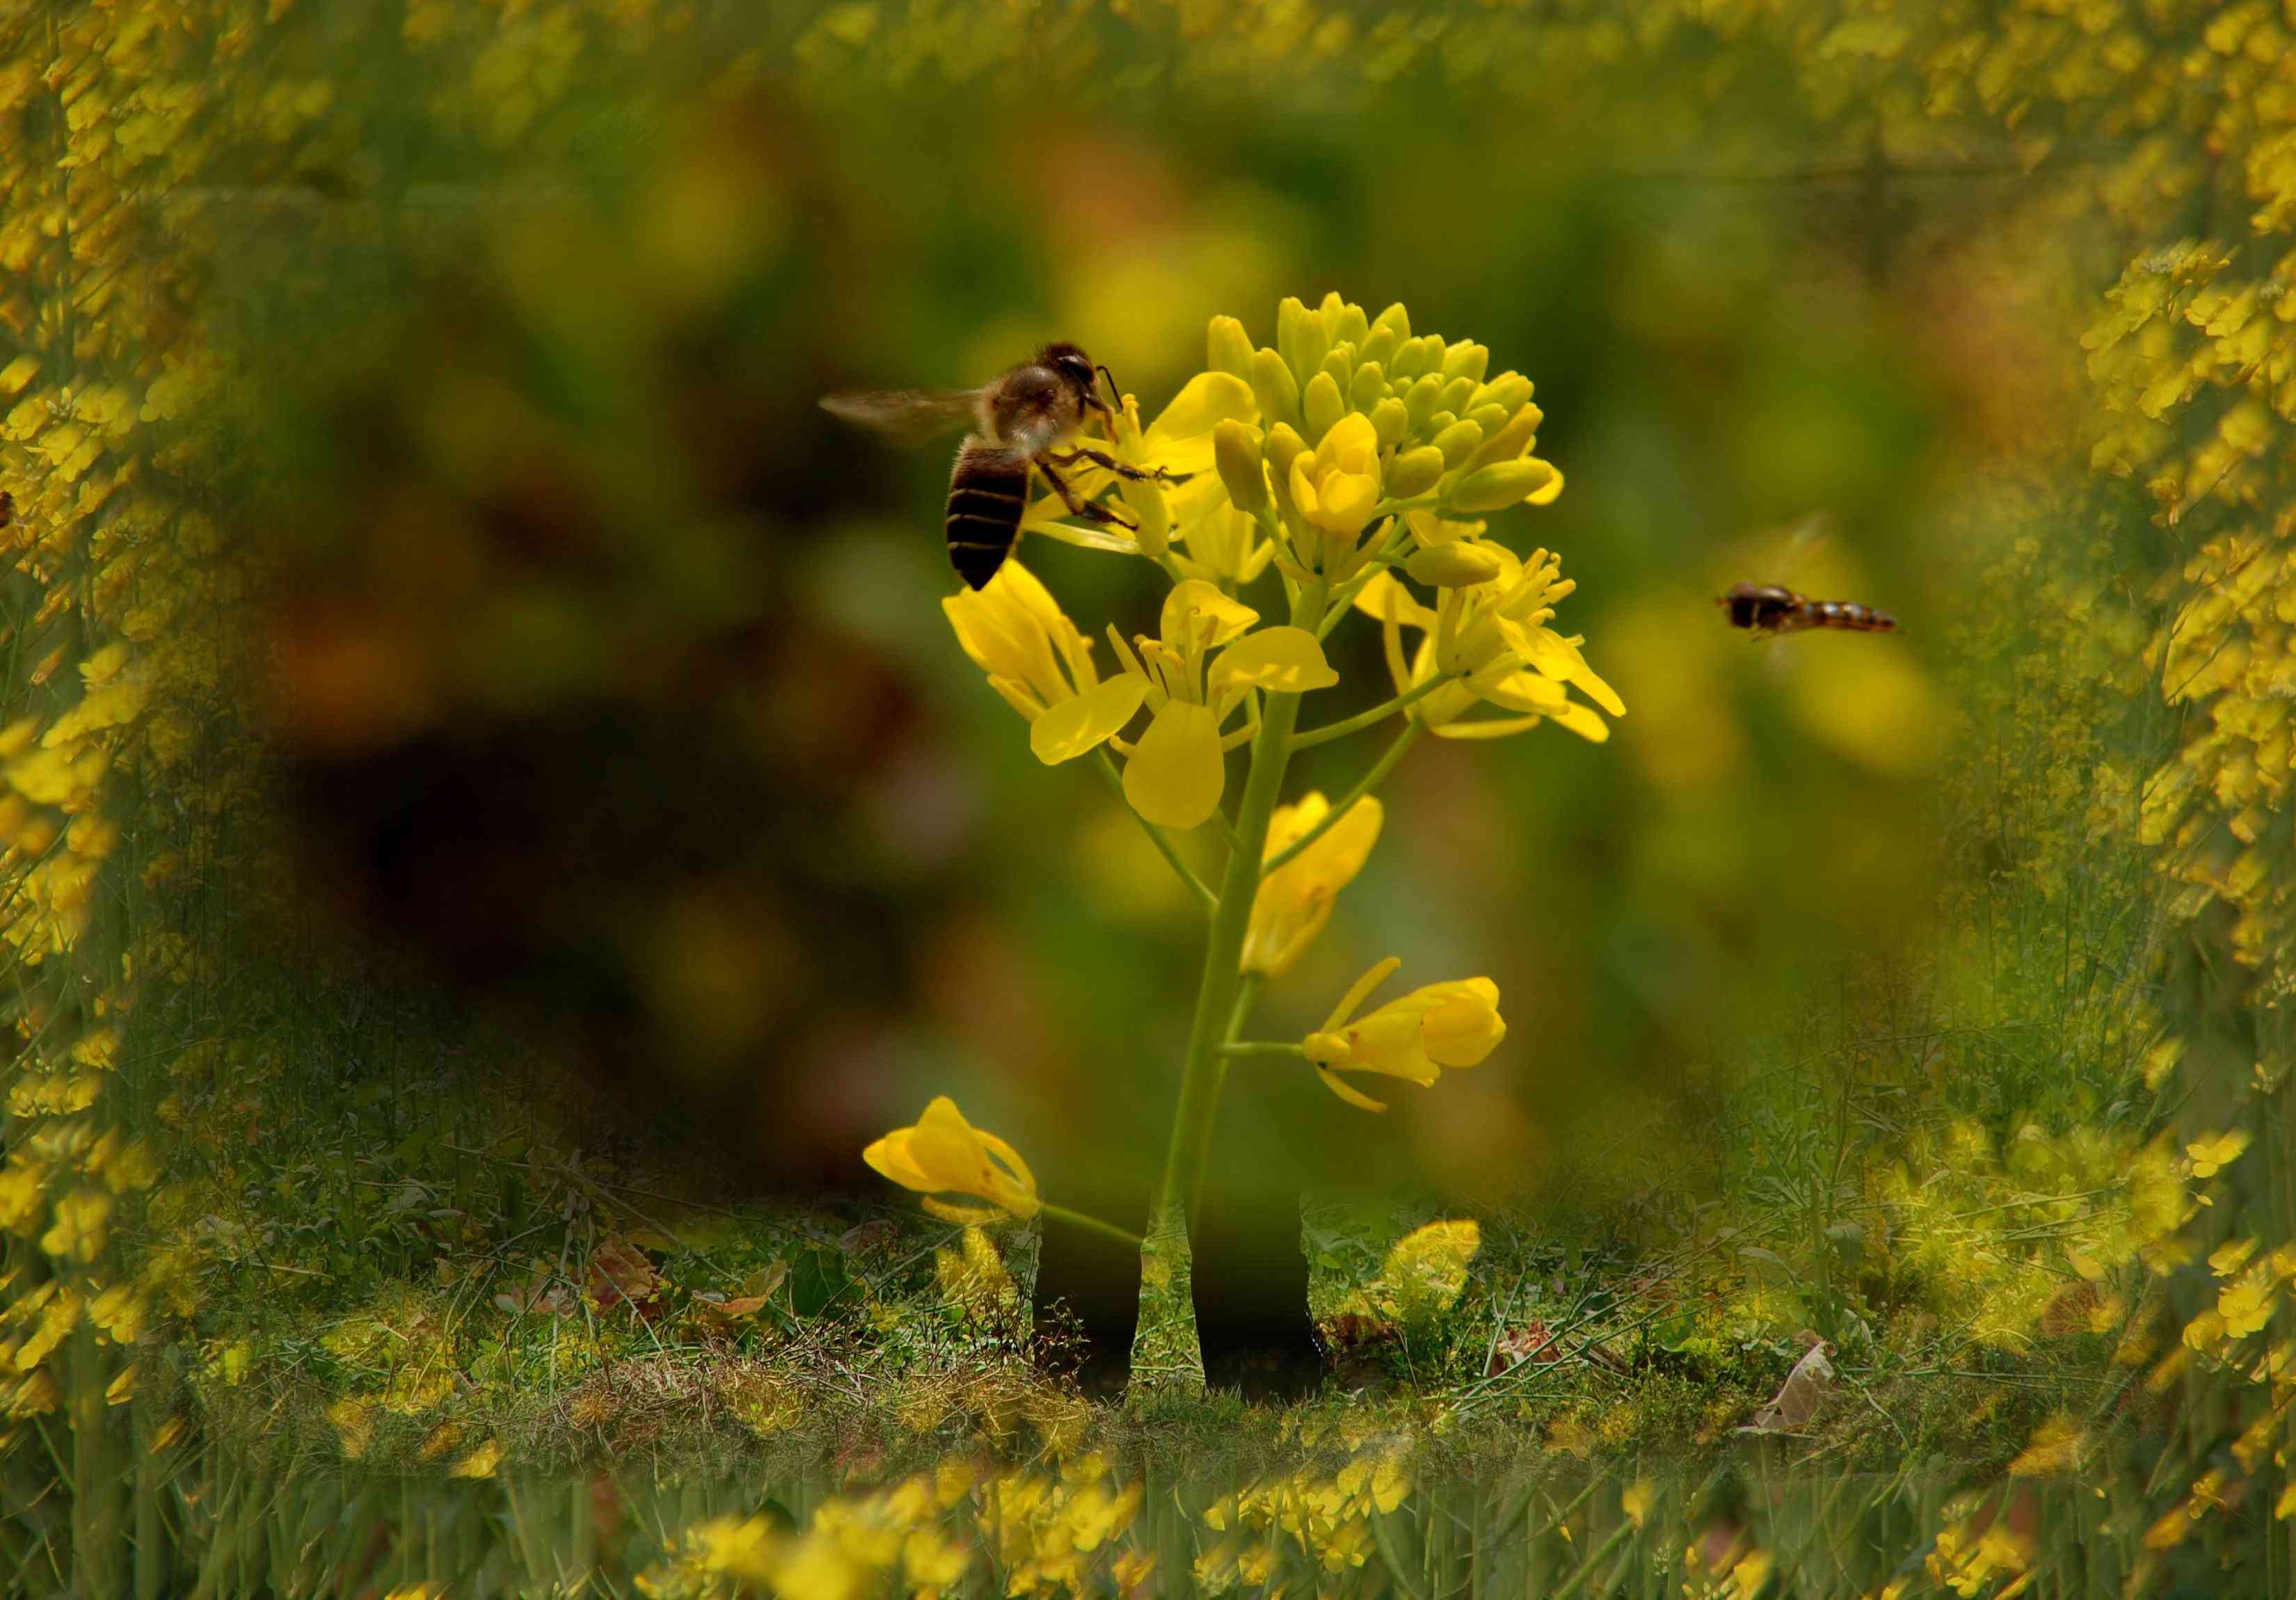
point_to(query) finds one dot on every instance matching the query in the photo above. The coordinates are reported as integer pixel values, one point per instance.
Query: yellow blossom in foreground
(1336, 486)
(1454, 1024)
(1175, 774)
(1178, 443)
(946, 1155)
(1492, 642)
(1038, 660)
(1296, 899)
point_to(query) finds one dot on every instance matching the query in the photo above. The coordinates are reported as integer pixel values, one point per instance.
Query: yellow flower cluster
(1325, 1520)
(1046, 1532)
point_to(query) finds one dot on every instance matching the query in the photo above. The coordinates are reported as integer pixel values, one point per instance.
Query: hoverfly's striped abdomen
(1848, 614)
(987, 493)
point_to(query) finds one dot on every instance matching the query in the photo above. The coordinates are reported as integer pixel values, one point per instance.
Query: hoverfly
(1766, 610)
(1023, 422)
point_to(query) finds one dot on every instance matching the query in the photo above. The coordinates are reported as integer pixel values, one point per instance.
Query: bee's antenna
(1118, 393)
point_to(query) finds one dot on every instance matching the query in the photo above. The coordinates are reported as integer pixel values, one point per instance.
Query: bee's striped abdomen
(987, 493)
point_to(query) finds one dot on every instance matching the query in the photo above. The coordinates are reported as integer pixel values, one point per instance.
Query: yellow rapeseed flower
(1175, 774)
(1335, 486)
(1492, 640)
(1038, 660)
(1296, 899)
(945, 1154)
(1454, 1025)
(1179, 443)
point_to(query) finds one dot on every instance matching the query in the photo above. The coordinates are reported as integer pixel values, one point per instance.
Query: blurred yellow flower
(1426, 1270)
(1454, 1025)
(1038, 660)
(2212, 1153)
(1296, 899)
(945, 1154)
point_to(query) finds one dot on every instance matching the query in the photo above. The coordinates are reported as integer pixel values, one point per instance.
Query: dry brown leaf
(619, 1272)
(1798, 1399)
(1532, 1342)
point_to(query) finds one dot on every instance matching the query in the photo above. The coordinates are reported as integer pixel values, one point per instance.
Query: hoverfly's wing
(907, 416)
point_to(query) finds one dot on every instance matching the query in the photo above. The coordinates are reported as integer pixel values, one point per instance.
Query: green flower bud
(1347, 323)
(1454, 398)
(1454, 566)
(1396, 317)
(1457, 442)
(1320, 404)
(1509, 390)
(1228, 349)
(1367, 388)
(1438, 421)
(1283, 447)
(1302, 337)
(1378, 346)
(1414, 471)
(1506, 443)
(1500, 485)
(1490, 419)
(1420, 400)
(1235, 452)
(1389, 420)
(1466, 359)
(1273, 387)
(1413, 356)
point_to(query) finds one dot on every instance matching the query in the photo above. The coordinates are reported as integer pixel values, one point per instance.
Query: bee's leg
(1089, 509)
(1075, 452)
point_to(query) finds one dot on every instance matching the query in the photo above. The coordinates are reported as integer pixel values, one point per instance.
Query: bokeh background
(610, 677)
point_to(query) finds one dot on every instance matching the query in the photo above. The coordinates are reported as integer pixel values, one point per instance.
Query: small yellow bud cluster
(1358, 419)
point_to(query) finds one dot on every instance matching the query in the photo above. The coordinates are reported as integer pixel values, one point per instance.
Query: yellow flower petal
(1585, 679)
(1582, 721)
(1083, 723)
(1177, 771)
(1198, 616)
(1186, 423)
(1385, 590)
(1295, 900)
(1461, 1032)
(1287, 659)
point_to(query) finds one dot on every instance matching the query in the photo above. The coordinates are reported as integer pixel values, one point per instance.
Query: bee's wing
(907, 416)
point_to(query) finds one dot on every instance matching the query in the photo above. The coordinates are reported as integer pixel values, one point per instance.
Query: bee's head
(1070, 362)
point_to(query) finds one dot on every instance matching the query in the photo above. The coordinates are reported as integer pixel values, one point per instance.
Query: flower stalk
(1370, 781)
(1166, 1353)
(1354, 460)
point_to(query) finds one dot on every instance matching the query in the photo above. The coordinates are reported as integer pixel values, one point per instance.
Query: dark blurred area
(610, 673)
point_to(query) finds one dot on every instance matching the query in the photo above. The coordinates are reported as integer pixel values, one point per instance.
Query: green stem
(1246, 996)
(1255, 1048)
(1165, 1348)
(1372, 780)
(1378, 713)
(1155, 834)
(1093, 1225)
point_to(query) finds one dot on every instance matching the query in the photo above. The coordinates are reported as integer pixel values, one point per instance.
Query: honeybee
(1765, 609)
(1025, 421)
(7, 508)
